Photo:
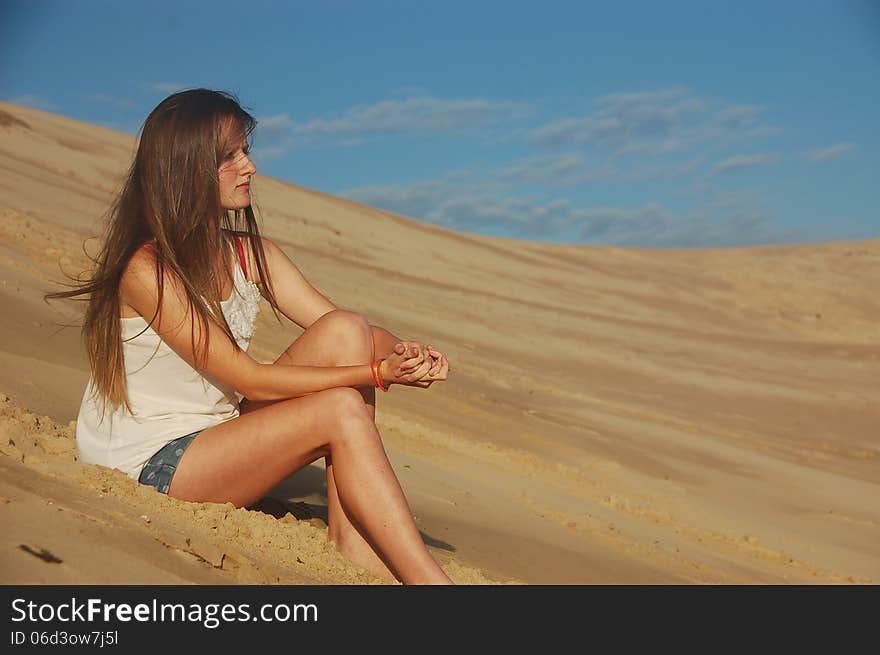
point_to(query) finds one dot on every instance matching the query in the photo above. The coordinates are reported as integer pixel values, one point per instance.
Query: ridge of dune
(613, 414)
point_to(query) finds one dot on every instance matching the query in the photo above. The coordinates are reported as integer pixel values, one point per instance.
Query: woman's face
(235, 172)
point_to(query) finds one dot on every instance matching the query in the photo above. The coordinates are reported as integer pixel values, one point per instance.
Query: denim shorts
(160, 468)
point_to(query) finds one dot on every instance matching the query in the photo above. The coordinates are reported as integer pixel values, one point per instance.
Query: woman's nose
(248, 165)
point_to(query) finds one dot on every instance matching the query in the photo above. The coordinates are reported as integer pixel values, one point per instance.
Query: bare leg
(339, 339)
(348, 539)
(281, 438)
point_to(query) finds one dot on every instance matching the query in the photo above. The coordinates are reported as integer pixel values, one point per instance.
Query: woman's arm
(178, 326)
(299, 301)
(384, 341)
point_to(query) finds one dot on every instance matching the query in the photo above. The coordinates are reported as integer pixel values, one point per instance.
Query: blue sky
(649, 124)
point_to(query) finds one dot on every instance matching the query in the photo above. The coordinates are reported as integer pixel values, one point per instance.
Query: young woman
(175, 401)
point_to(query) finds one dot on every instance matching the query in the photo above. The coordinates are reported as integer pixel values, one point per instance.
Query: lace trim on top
(241, 309)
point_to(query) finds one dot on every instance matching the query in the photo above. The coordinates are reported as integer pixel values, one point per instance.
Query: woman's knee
(347, 326)
(333, 414)
(346, 414)
(341, 403)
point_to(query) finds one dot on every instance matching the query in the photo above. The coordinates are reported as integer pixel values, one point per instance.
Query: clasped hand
(412, 364)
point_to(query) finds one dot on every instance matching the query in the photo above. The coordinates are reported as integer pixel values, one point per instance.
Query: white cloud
(525, 217)
(277, 125)
(605, 221)
(424, 200)
(422, 115)
(555, 170)
(652, 123)
(113, 101)
(467, 206)
(273, 136)
(740, 162)
(484, 208)
(739, 117)
(665, 171)
(412, 115)
(418, 200)
(831, 152)
(656, 227)
(571, 169)
(715, 199)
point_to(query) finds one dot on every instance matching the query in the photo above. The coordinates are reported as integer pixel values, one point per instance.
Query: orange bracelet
(374, 367)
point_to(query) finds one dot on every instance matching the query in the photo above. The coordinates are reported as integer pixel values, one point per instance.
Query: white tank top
(168, 397)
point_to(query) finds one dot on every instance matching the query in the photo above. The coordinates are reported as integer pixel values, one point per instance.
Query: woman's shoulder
(138, 278)
(143, 261)
(142, 264)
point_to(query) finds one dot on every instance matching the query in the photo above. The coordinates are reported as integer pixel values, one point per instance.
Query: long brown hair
(171, 200)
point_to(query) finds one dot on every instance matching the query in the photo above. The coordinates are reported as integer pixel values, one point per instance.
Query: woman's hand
(406, 364)
(415, 365)
(439, 369)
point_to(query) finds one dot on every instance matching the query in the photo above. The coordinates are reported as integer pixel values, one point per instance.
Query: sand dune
(612, 415)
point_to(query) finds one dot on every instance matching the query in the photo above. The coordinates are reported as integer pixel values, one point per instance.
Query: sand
(612, 415)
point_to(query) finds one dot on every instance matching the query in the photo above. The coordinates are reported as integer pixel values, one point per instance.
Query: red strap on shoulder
(241, 258)
(149, 246)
